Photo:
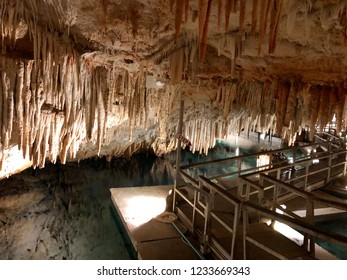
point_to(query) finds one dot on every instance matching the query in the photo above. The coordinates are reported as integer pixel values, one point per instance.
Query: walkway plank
(152, 240)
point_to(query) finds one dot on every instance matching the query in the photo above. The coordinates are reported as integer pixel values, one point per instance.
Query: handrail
(307, 195)
(189, 178)
(194, 165)
(298, 224)
(205, 186)
(299, 162)
(228, 196)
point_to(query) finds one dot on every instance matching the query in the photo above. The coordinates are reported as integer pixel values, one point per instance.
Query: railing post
(196, 197)
(274, 203)
(207, 226)
(239, 161)
(306, 174)
(235, 227)
(240, 188)
(244, 231)
(178, 179)
(294, 155)
(310, 220)
(329, 169)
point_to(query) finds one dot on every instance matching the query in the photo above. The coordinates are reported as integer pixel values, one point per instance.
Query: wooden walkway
(151, 238)
(237, 215)
(243, 207)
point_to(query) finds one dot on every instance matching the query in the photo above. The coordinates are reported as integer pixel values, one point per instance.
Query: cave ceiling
(74, 73)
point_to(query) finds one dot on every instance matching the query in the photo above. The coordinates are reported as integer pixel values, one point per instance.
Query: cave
(97, 94)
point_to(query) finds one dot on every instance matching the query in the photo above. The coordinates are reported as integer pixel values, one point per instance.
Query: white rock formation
(73, 73)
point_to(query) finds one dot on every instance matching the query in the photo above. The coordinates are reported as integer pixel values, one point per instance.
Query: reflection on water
(338, 226)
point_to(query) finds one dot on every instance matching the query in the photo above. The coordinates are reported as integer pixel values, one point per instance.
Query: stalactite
(275, 18)
(219, 16)
(291, 105)
(5, 110)
(100, 113)
(282, 98)
(228, 6)
(178, 17)
(204, 14)
(19, 101)
(314, 105)
(323, 107)
(171, 4)
(264, 14)
(242, 17)
(254, 17)
(341, 103)
(291, 16)
(1, 119)
(343, 22)
(186, 10)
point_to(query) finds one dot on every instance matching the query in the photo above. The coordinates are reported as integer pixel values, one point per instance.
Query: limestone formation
(74, 73)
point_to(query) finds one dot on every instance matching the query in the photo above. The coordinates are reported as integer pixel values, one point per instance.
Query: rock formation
(74, 74)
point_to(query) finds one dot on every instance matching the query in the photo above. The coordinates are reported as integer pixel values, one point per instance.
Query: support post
(178, 152)
(178, 180)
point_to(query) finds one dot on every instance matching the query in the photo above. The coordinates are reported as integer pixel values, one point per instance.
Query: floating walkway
(151, 238)
(241, 213)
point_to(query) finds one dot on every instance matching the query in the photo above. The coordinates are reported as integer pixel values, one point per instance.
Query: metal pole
(178, 152)
(178, 180)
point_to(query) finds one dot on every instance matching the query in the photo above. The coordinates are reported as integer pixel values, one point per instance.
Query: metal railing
(204, 219)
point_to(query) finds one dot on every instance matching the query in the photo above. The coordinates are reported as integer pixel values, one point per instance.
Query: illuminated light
(289, 232)
(279, 211)
(237, 151)
(314, 150)
(346, 187)
(262, 136)
(159, 84)
(141, 209)
(315, 161)
(13, 162)
(334, 118)
(263, 160)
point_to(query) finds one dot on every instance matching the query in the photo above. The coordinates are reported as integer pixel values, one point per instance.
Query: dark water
(66, 212)
(338, 226)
